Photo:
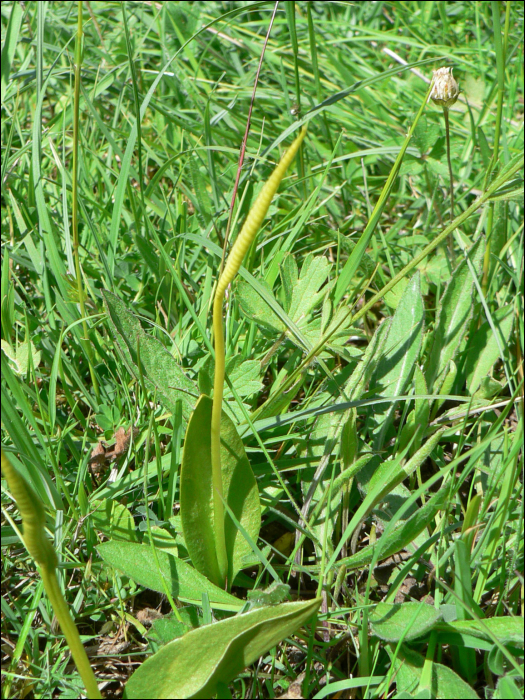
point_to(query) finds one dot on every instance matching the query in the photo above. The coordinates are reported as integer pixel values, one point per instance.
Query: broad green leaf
(508, 630)
(401, 537)
(185, 583)
(255, 307)
(488, 388)
(508, 689)
(114, 520)
(196, 494)
(20, 357)
(393, 297)
(192, 666)
(483, 348)
(160, 369)
(301, 295)
(402, 347)
(392, 621)
(408, 665)
(169, 627)
(454, 311)
(276, 593)
(245, 375)
(302, 291)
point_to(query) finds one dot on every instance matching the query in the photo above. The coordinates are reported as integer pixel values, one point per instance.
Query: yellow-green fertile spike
(41, 549)
(33, 517)
(233, 263)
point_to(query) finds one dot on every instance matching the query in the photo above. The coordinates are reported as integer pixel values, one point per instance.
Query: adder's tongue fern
(233, 263)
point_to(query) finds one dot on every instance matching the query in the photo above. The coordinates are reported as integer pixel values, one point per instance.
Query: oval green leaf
(193, 665)
(196, 494)
(445, 683)
(185, 583)
(407, 621)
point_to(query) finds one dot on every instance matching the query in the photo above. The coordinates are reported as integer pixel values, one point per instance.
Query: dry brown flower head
(445, 90)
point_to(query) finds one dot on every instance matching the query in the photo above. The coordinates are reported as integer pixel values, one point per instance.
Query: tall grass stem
(74, 189)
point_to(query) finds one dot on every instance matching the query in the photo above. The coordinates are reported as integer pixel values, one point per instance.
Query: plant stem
(74, 205)
(233, 263)
(70, 631)
(500, 49)
(451, 177)
(40, 548)
(218, 387)
(504, 177)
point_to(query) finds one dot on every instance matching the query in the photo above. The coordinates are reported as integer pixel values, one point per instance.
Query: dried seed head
(445, 91)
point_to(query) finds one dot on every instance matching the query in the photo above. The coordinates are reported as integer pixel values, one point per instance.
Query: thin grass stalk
(445, 92)
(353, 261)
(497, 531)
(451, 177)
(245, 139)
(165, 585)
(290, 15)
(499, 48)
(516, 165)
(74, 189)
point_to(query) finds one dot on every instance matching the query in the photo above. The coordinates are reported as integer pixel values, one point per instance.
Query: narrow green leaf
(192, 666)
(395, 368)
(508, 630)
(185, 583)
(11, 39)
(454, 311)
(239, 491)
(199, 185)
(161, 370)
(483, 348)
(368, 363)
(387, 476)
(401, 537)
(353, 262)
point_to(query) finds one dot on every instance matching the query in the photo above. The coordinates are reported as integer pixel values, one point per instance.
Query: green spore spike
(233, 263)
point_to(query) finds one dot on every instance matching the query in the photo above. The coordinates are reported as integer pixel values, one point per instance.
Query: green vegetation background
(66, 390)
